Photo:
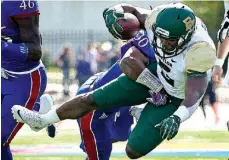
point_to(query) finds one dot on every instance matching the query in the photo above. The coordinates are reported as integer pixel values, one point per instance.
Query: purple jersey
(10, 9)
(140, 41)
(23, 82)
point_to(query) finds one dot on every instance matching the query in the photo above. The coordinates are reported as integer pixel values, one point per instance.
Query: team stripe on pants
(34, 93)
(88, 136)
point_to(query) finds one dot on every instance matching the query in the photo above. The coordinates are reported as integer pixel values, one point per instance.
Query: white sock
(51, 117)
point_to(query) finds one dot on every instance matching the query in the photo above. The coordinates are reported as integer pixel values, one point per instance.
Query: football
(130, 25)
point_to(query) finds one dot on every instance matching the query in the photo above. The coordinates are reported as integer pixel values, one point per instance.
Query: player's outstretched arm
(30, 48)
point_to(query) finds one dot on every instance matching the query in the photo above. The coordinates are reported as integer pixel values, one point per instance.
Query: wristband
(219, 62)
(149, 80)
(183, 113)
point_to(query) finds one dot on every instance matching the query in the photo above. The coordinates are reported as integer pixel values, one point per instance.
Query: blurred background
(76, 44)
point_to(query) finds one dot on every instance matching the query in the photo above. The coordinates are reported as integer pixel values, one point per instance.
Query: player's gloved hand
(157, 99)
(169, 127)
(111, 19)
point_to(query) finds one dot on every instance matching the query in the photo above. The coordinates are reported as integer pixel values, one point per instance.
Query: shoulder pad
(200, 57)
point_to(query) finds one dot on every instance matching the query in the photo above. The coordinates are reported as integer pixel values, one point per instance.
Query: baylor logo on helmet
(188, 23)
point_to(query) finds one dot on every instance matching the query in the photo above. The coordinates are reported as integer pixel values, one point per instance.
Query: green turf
(115, 158)
(45, 139)
(184, 139)
(212, 136)
(72, 138)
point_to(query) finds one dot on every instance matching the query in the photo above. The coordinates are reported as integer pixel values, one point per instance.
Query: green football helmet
(173, 29)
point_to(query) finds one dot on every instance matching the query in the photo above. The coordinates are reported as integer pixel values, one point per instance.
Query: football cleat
(31, 118)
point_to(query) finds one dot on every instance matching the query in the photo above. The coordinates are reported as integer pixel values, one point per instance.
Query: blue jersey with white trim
(10, 30)
(142, 42)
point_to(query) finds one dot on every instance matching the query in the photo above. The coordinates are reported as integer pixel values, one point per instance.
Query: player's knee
(131, 153)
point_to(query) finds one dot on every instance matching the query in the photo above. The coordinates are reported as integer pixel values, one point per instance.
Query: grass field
(68, 137)
(184, 140)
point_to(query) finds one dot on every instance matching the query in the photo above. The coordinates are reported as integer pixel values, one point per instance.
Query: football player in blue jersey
(23, 75)
(100, 128)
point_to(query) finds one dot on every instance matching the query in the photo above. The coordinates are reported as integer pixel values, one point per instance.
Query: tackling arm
(133, 63)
